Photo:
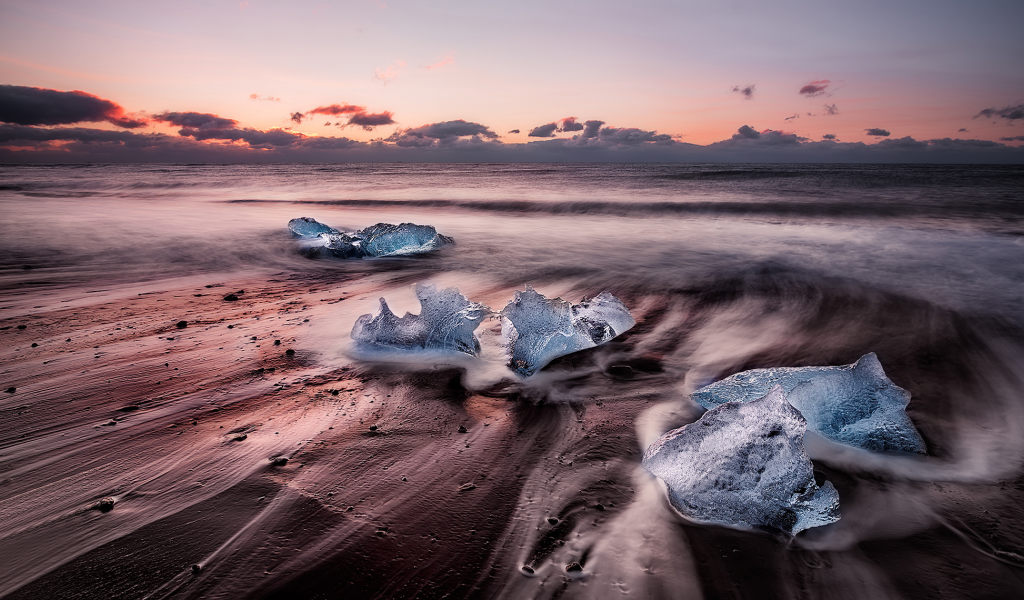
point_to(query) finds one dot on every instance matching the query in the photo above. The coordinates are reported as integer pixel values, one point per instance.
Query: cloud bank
(41, 126)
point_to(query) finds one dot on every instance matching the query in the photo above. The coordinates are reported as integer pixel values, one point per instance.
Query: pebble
(181, 324)
(11, 390)
(279, 461)
(105, 504)
(289, 352)
(621, 371)
(573, 567)
(231, 297)
(467, 486)
(462, 429)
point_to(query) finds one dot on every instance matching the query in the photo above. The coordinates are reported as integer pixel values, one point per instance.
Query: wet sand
(382, 496)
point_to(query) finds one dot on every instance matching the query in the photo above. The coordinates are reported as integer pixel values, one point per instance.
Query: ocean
(724, 267)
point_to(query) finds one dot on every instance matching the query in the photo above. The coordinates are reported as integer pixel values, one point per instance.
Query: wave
(1012, 211)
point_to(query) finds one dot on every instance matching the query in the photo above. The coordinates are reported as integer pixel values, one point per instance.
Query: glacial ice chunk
(446, 322)
(744, 465)
(382, 239)
(309, 227)
(536, 330)
(385, 239)
(853, 404)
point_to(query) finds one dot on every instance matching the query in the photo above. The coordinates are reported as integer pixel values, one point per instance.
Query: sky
(915, 81)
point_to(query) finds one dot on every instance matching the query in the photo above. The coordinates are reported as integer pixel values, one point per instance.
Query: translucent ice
(744, 465)
(382, 239)
(536, 330)
(308, 227)
(385, 239)
(852, 404)
(446, 322)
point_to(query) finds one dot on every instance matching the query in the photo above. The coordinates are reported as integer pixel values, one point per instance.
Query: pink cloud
(390, 73)
(449, 59)
(815, 88)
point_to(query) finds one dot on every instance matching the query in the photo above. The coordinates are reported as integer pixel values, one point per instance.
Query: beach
(159, 440)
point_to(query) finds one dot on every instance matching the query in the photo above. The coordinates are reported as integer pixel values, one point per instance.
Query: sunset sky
(655, 73)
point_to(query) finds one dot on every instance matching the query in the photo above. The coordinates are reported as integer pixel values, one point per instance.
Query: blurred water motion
(725, 267)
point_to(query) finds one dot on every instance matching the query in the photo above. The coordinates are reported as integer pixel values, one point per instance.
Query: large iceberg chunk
(536, 330)
(446, 322)
(382, 239)
(744, 465)
(853, 404)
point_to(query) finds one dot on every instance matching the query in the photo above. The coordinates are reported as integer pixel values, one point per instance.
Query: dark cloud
(38, 106)
(1016, 138)
(962, 129)
(443, 133)
(267, 98)
(195, 120)
(357, 115)
(327, 124)
(10, 134)
(748, 137)
(829, 136)
(632, 136)
(815, 88)
(337, 109)
(746, 92)
(878, 131)
(795, 116)
(328, 143)
(903, 143)
(831, 109)
(513, 131)
(570, 124)
(544, 131)
(256, 138)
(958, 144)
(590, 129)
(206, 126)
(370, 120)
(1010, 113)
(746, 132)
